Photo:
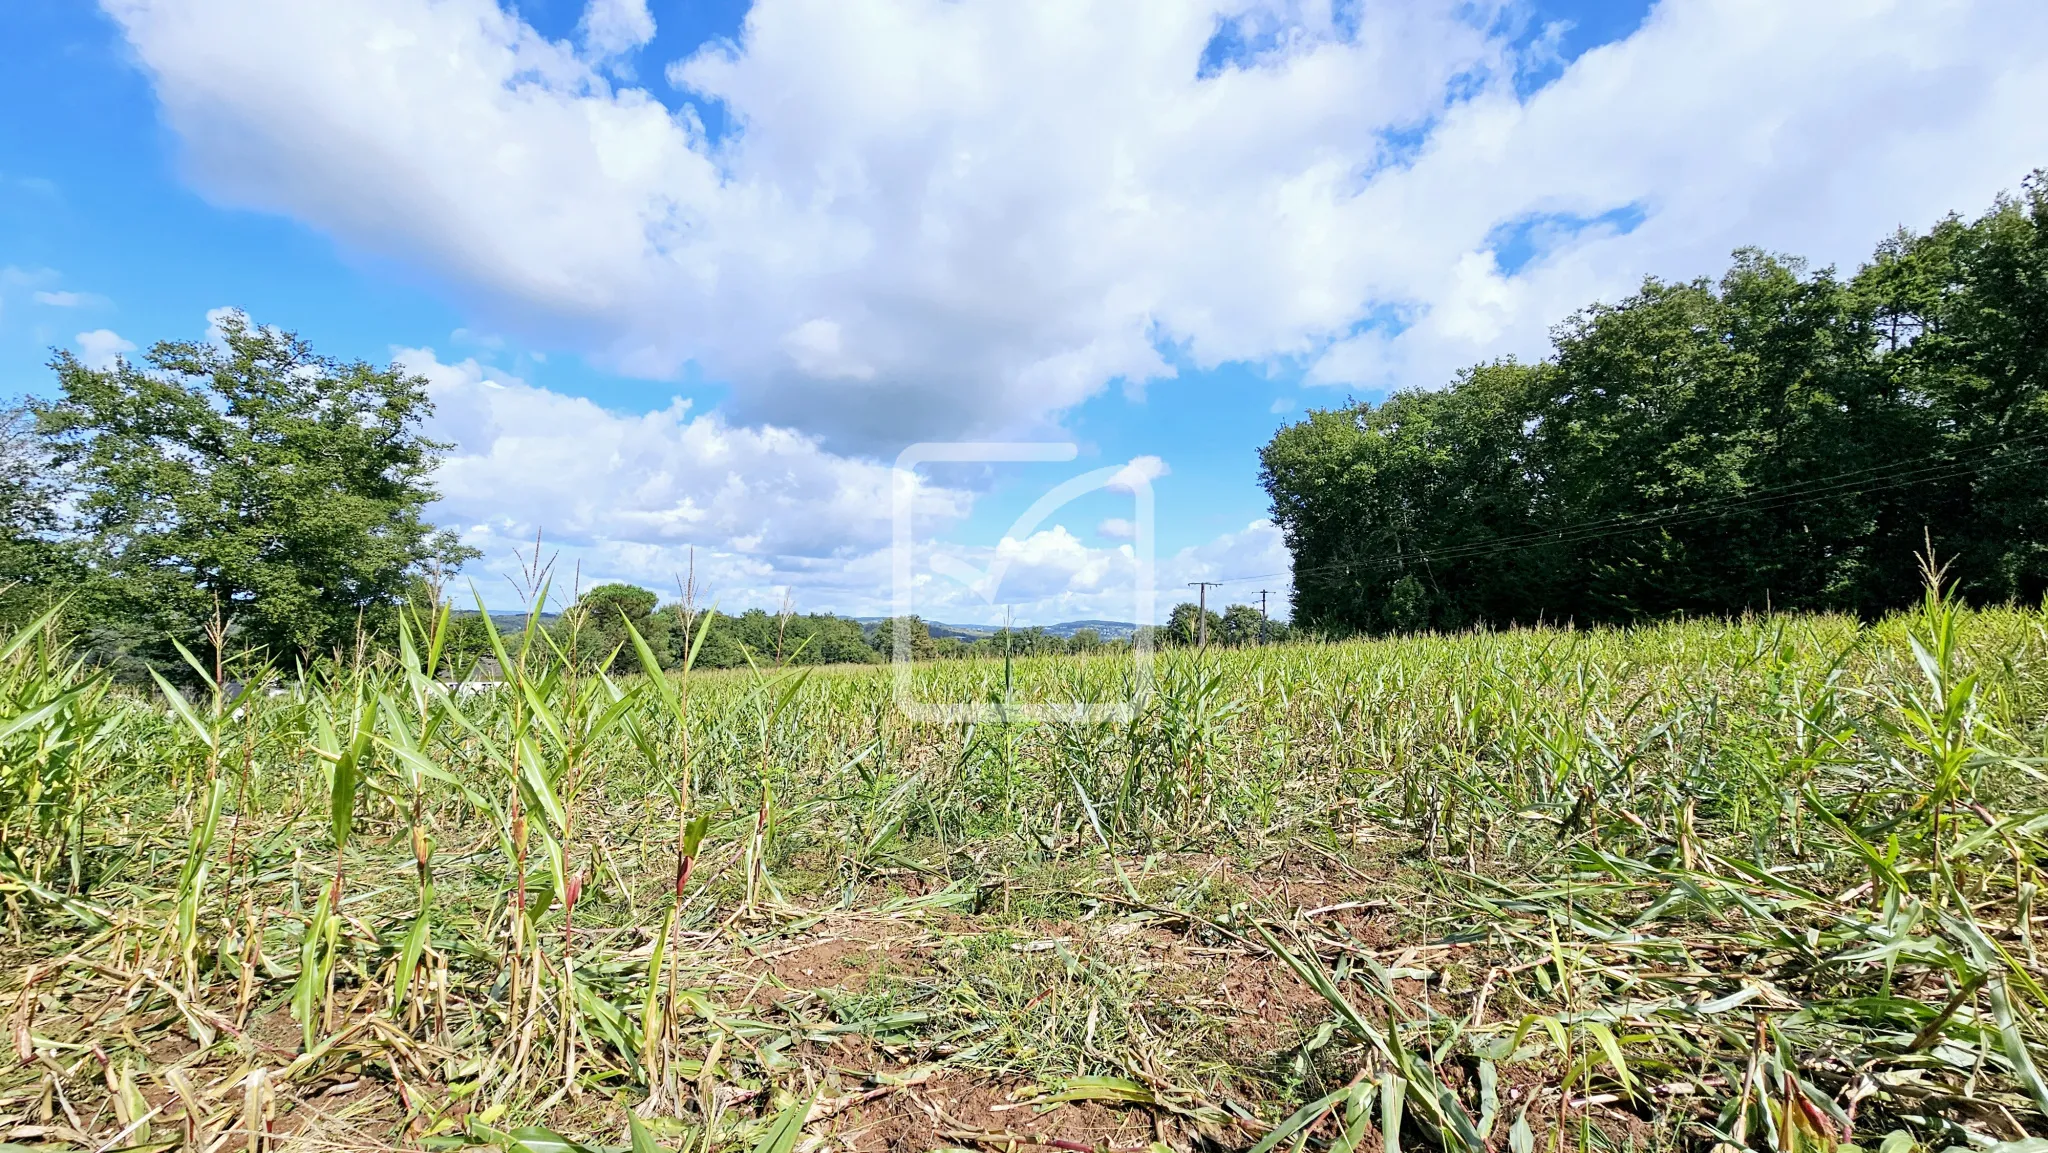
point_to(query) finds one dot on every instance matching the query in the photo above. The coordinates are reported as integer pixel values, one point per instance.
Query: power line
(1687, 514)
(1758, 500)
(1664, 518)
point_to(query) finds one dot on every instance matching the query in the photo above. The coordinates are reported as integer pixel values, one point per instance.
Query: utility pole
(1202, 611)
(1262, 615)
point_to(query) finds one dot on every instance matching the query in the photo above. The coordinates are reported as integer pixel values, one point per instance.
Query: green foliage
(595, 629)
(1033, 641)
(1773, 860)
(468, 639)
(1245, 625)
(1185, 625)
(910, 632)
(253, 478)
(790, 639)
(57, 729)
(1781, 438)
(35, 568)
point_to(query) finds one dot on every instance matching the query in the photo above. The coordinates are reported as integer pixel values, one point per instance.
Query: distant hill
(507, 622)
(1109, 630)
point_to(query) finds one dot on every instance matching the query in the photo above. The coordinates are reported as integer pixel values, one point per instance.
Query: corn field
(1765, 884)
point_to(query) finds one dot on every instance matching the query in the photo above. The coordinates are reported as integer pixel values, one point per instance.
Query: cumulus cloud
(942, 220)
(1245, 560)
(933, 219)
(767, 512)
(628, 494)
(101, 347)
(612, 27)
(1051, 575)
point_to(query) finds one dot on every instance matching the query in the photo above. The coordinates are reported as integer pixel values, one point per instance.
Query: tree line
(245, 494)
(1782, 438)
(594, 630)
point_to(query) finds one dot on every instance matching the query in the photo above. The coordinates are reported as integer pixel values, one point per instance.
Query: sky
(687, 278)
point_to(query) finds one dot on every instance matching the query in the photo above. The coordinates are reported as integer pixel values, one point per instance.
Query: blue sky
(829, 230)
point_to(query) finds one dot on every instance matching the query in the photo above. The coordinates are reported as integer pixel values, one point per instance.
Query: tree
(1960, 315)
(1699, 396)
(467, 642)
(789, 638)
(829, 639)
(1085, 641)
(1183, 627)
(596, 625)
(34, 566)
(1025, 642)
(721, 648)
(252, 477)
(1367, 496)
(1241, 625)
(1782, 438)
(916, 635)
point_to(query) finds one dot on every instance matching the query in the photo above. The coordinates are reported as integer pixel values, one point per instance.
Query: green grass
(1766, 883)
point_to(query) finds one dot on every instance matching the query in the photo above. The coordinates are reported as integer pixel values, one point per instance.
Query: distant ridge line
(1108, 630)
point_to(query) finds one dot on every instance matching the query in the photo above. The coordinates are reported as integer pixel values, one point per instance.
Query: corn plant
(1766, 883)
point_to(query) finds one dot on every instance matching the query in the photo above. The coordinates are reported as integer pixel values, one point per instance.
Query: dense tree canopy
(1781, 438)
(595, 627)
(1235, 626)
(910, 632)
(1186, 624)
(252, 477)
(33, 561)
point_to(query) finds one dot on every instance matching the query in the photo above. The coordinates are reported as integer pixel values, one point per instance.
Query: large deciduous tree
(250, 476)
(34, 568)
(1188, 621)
(910, 631)
(596, 626)
(1779, 439)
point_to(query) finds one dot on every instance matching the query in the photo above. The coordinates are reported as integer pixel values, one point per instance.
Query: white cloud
(13, 277)
(1283, 405)
(936, 218)
(1140, 472)
(612, 27)
(1253, 557)
(101, 347)
(817, 349)
(627, 496)
(217, 317)
(1051, 576)
(1116, 528)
